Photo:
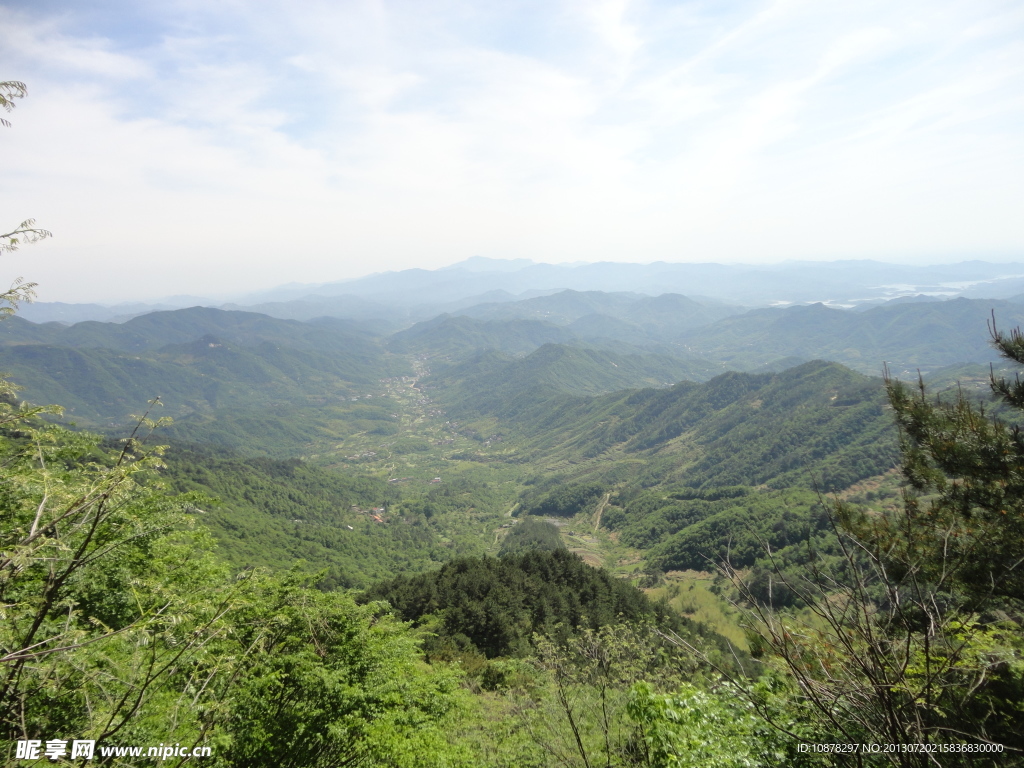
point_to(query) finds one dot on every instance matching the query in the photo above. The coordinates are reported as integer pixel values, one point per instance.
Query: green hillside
(597, 326)
(488, 381)
(658, 317)
(159, 329)
(197, 361)
(908, 336)
(815, 422)
(559, 308)
(360, 529)
(497, 606)
(455, 337)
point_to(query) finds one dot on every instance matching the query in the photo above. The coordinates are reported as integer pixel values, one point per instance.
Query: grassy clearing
(693, 594)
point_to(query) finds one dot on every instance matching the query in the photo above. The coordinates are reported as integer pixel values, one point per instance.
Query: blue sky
(214, 148)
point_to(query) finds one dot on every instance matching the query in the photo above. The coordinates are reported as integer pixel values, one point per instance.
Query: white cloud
(237, 145)
(79, 58)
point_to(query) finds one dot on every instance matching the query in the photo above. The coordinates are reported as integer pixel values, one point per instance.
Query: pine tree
(914, 634)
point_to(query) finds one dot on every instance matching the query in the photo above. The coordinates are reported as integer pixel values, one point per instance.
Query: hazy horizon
(267, 293)
(187, 148)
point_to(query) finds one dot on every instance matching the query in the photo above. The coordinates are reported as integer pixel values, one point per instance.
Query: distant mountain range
(908, 335)
(490, 357)
(196, 360)
(398, 299)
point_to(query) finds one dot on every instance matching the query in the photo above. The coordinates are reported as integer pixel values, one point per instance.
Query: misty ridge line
(418, 294)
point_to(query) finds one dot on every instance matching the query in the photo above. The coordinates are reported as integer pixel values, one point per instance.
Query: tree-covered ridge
(699, 473)
(530, 534)
(632, 346)
(289, 429)
(908, 336)
(815, 423)
(565, 500)
(449, 336)
(496, 606)
(699, 534)
(156, 330)
(202, 361)
(197, 360)
(909, 625)
(491, 381)
(660, 317)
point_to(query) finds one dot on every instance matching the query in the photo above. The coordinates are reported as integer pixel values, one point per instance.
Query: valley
(525, 483)
(456, 423)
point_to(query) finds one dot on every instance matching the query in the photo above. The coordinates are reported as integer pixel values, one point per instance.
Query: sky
(213, 148)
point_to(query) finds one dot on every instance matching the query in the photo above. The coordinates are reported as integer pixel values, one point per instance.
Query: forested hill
(908, 336)
(196, 360)
(657, 317)
(159, 329)
(451, 336)
(817, 422)
(202, 360)
(497, 606)
(623, 322)
(488, 381)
